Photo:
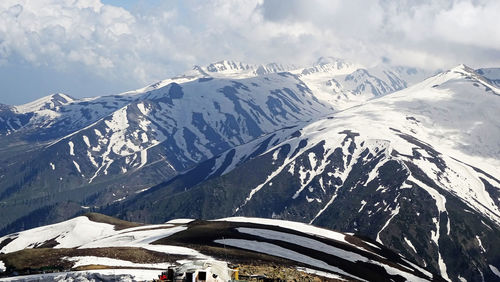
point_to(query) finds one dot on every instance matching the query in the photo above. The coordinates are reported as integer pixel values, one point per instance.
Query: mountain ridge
(391, 159)
(361, 150)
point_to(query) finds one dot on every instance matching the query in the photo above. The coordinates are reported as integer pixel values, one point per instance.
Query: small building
(201, 270)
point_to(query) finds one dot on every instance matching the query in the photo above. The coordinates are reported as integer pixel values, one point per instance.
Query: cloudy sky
(95, 47)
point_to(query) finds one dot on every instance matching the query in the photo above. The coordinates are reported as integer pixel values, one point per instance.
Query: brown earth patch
(40, 260)
(280, 272)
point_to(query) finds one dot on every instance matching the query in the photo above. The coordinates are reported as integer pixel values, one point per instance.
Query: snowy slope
(50, 102)
(68, 234)
(183, 124)
(416, 170)
(10, 120)
(320, 250)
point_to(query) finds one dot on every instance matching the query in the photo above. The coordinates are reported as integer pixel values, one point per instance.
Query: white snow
(142, 108)
(260, 186)
(410, 244)
(303, 241)
(77, 166)
(92, 159)
(91, 260)
(334, 196)
(394, 212)
(37, 105)
(144, 158)
(442, 267)
(495, 270)
(71, 148)
(363, 203)
(69, 234)
(320, 273)
(180, 221)
(480, 244)
(395, 271)
(86, 140)
(303, 227)
(126, 275)
(2, 267)
(127, 238)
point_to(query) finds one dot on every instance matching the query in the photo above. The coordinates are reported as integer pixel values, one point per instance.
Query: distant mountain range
(400, 155)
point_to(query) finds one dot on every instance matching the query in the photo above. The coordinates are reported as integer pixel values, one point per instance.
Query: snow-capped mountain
(416, 170)
(108, 147)
(181, 125)
(96, 241)
(104, 149)
(50, 102)
(344, 84)
(227, 68)
(326, 144)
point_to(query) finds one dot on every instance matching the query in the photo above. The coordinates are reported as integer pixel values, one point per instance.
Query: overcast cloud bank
(86, 48)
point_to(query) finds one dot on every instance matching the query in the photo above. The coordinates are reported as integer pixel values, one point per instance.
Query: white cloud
(144, 45)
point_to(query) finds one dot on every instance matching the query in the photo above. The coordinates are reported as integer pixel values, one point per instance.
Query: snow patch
(180, 221)
(71, 148)
(76, 232)
(363, 203)
(480, 244)
(91, 275)
(321, 273)
(86, 140)
(91, 260)
(393, 214)
(77, 166)
(495, 270)
(410, 244)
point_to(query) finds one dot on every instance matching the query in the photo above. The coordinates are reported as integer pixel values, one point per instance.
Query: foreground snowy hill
(93, 241)
(416, 170)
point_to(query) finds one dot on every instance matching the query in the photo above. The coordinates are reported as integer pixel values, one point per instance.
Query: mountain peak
(463, 68)
(45, 103)
(228, 66)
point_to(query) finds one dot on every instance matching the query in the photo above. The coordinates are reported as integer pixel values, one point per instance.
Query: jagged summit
(235, 69)
(331, 65)
(462, 68)
(228, 66)
(45, 103)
